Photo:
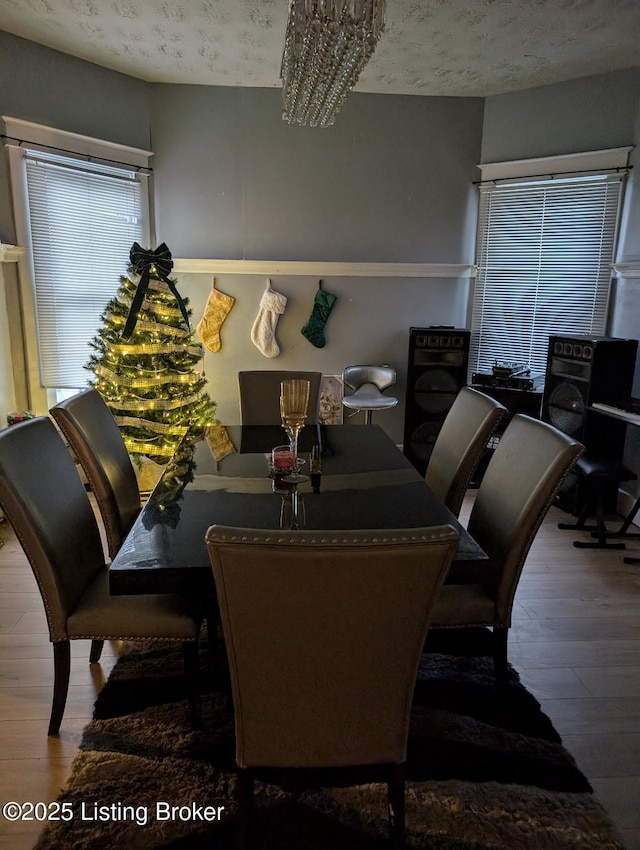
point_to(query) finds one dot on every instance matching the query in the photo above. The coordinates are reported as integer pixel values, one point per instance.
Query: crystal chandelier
(327, 44)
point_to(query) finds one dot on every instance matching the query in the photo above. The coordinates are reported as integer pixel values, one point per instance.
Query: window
(544, 253)
(80, 205)
(84, 220)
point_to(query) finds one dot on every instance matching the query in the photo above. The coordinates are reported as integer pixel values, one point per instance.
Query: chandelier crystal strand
(327, 45)
(318, 61)
(340, 77)
(329, 62)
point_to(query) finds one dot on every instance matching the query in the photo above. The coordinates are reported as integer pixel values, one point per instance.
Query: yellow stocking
(216, 310)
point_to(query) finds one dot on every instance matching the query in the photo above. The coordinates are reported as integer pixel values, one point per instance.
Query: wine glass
(294, 401)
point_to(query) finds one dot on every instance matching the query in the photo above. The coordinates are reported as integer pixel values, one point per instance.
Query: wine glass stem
(293, 444)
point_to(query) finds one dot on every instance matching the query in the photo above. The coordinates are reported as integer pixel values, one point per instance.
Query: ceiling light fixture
(327, 44)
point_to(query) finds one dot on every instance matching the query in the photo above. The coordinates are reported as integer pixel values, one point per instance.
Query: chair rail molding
(627, 270)
(324, 269)
(10, 253)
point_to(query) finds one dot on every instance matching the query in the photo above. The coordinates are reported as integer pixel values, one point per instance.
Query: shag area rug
(486, 771)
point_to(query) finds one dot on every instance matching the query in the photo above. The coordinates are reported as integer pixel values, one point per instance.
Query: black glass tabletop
(225, 477)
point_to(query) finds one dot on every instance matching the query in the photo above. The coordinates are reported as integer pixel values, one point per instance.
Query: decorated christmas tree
(147, 361)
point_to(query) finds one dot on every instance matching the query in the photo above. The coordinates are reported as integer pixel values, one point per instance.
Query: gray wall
(390, 182)
(47, 87)
(626, 308)
(369, 324)
(582, 115)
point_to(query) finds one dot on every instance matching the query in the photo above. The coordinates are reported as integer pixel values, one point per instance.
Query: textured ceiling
(429, 47)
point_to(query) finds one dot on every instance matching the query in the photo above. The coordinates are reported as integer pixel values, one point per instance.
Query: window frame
(537, 174)
(25, 135)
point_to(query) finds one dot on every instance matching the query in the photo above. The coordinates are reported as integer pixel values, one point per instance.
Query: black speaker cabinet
(582, 370)
(436, 371)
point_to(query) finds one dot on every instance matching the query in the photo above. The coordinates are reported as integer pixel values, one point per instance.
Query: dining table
(356, 478)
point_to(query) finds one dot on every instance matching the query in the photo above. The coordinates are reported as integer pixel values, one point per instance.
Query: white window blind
(544, 253)
(84, 218)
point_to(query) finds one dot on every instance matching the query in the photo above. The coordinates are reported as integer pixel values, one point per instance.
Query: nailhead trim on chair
(65, 637)
(267, 538)
(134, 638)
(45, 599)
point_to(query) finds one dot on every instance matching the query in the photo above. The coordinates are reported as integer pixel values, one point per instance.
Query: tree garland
(150, 380)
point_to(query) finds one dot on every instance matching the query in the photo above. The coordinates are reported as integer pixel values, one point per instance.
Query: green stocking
(313, 329)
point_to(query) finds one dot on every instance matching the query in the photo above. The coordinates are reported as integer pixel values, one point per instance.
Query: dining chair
(260, 395)
(95, 439)
(522, 478)
(368, 384)
(469, 424)
(324, 632)
(46, 503)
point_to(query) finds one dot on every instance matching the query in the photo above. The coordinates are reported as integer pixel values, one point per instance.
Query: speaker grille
(582, 370)
(423, 438)
(436, 371)
(435, 390)
(566, 408)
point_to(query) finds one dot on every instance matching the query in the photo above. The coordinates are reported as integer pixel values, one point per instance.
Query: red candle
(282, 457)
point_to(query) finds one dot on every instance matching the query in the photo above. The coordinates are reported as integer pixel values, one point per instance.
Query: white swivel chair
(368, 384)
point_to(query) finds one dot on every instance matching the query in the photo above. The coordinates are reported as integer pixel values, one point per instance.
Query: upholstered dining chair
(91, 431)
(46, 503)
(369, 384)
(521, 480)
(469, 425)
(260, 395)
(324, 632)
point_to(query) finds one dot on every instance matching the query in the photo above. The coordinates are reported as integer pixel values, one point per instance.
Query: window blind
(544, 253)
(84, 218)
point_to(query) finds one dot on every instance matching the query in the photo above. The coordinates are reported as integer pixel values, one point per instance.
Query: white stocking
(263, 332)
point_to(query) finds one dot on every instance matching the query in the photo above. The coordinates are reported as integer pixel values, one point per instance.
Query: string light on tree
(146, 361)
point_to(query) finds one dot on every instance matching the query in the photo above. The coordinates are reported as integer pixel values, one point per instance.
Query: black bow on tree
(141, 262)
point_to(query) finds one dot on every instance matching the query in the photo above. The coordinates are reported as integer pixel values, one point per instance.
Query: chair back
(518, 487)
(324, 632)
(47, 505)
(260, 396)
(92, 432)
(471, 421)
(381, 377)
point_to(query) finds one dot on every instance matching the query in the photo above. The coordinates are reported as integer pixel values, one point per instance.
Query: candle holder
(283, 463)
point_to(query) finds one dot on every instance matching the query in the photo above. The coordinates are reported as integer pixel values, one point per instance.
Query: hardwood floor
(575, 641)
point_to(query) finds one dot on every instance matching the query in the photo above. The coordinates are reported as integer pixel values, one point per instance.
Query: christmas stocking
(313, 330)
(219, 442)
(216, 310)
(263, 332)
